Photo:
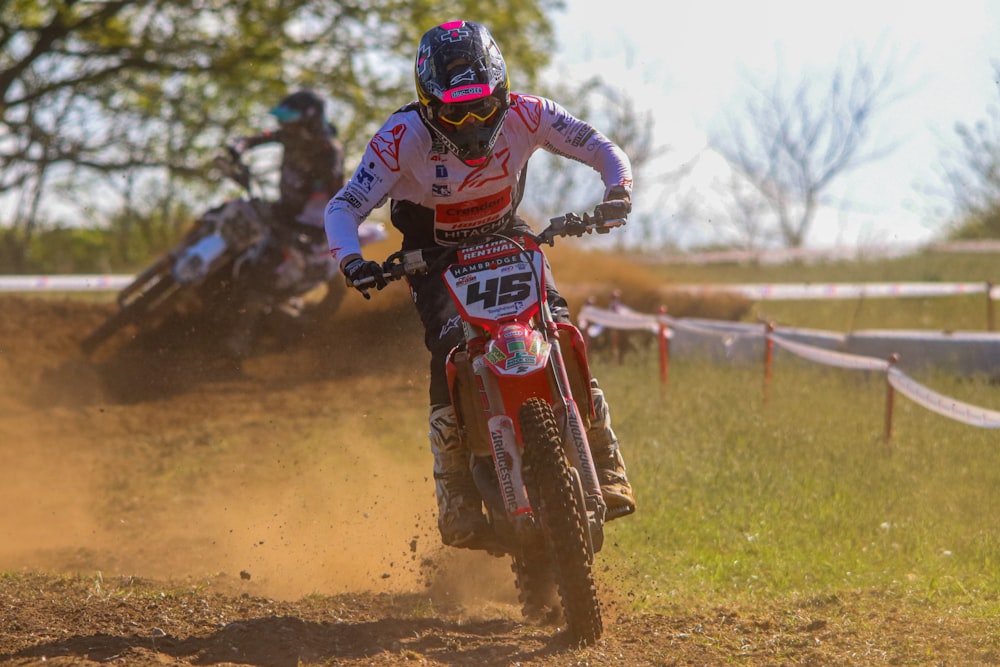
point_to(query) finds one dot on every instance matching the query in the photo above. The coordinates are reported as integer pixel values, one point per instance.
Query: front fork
(567, 412)
(505, 440)
(504, 443)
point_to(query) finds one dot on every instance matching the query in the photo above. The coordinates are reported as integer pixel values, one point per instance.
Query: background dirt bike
(237, 274)
(520, 385)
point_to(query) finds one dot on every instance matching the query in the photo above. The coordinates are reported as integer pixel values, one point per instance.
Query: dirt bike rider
(312, 171)
(453, 162)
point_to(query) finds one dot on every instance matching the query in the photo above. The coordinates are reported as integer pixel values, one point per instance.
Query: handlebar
(606, 216)
(232, 166)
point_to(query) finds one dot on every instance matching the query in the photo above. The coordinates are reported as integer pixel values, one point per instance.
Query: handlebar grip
(607, 225)
(394, 273)
(368, 281)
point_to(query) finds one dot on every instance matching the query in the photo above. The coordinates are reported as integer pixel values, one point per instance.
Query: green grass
(800, 497)
(920, 267)
(957, 313)
(951, 313)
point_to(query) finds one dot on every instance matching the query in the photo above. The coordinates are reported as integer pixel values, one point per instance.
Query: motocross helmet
(463, 88)
(301, 113)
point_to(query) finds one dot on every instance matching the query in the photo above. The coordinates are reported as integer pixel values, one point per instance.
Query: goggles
(458, 113)
(286, 115)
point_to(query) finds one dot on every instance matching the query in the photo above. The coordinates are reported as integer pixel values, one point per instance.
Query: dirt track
(160, 509)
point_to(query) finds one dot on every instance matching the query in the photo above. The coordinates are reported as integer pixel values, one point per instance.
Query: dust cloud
(306, 474)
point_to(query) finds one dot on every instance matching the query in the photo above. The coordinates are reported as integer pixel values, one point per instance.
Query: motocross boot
(460, 507)
(608, 460)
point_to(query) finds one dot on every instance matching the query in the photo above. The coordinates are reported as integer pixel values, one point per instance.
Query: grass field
(802, 496)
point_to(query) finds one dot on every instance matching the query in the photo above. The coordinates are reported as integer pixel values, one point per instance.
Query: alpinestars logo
(386, 146)
(494, 169)
(460, 78)
(450, 325)
(529, 110)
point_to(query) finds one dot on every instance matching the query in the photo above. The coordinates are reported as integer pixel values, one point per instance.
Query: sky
(686, 61)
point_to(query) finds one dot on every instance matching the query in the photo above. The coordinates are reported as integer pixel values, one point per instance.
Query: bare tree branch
(791, 144)
(971, 173)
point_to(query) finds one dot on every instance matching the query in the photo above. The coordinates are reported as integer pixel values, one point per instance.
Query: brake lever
(391, 271)
(361, 286)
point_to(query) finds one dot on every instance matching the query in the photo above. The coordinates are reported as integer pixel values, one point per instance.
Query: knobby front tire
(564, 520)
(131, 313)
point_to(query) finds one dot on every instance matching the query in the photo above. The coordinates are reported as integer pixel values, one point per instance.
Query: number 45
(493, 292)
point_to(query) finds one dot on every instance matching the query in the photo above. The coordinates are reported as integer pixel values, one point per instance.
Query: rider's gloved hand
(359, 268)
(617, 204)
(619, 193)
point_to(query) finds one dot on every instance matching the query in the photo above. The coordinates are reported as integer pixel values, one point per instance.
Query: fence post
(990, 319)
(588, 340)
(614, 305)
(890, 393)
(768, 356)
(664, 332)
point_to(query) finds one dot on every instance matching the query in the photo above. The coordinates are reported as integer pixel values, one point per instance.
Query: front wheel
(564, 519)
(158, 288)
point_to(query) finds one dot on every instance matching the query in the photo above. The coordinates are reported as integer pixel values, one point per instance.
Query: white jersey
(404, 163)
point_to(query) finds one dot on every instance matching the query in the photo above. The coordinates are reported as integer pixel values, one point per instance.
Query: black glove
(616, 205)
(361, 269)
(619, 193)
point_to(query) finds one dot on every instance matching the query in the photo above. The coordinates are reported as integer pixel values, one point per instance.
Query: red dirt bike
(520, 385)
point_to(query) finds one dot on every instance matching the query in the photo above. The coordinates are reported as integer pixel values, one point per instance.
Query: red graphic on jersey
(386, 146)
(494, 169)
(473, 211)
(529, 110)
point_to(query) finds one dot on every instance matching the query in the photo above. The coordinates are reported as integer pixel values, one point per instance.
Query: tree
(972, 174)
(96, 93)
(789, 144)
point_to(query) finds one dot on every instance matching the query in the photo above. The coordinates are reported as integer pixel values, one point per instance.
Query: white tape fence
(806, 291)
(63, 283)
(816, 346)
(755, 291)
